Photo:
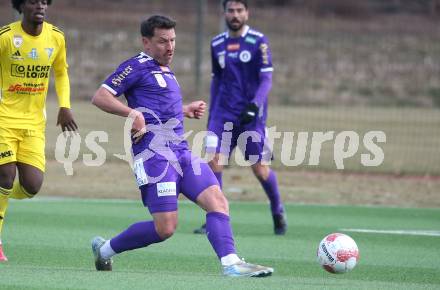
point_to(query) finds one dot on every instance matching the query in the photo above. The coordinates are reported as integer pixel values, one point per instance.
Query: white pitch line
(395, 232)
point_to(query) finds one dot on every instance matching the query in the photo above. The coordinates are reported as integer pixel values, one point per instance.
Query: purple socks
(270, 186)
(219, 233)
(138, 235)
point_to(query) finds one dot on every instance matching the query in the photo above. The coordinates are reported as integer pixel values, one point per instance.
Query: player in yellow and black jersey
(29, 50)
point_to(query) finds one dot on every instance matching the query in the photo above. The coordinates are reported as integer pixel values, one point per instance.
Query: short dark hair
(156, 21)
(244, 2)
(17, 3)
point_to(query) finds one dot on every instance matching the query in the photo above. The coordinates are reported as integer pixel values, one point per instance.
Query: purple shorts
(161, 179)
(250, 139)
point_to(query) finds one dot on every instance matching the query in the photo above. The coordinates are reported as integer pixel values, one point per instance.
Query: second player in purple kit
(163, 164)
(241, 82)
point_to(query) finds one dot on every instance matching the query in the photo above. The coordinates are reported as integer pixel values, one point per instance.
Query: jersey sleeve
(264, 55)
(2, 49)
(215, 66)
(121, 80)
(62, 84)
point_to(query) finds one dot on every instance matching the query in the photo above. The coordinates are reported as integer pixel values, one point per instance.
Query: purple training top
(153, 88)
(238, 67)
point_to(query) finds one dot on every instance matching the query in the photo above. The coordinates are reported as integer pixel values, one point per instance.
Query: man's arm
(252, 110)
(62, 87)
(265, 74)
(264, 58)
(107, 102)
(263, 88)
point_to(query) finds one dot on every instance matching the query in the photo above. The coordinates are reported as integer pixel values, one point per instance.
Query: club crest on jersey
(17, 40)
(160, 80)
(245, 56)
(33, 54)
(49, 51)
(221, 59)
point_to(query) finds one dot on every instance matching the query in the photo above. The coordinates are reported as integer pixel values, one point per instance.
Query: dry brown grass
(382, 60)
(115, 180)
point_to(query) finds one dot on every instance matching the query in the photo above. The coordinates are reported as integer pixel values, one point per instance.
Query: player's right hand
(138, 129)
(65, 120)
(249, 114)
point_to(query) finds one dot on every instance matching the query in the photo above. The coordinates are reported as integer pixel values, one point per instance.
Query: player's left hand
(65, 120)
(195, 110)
(249, 114)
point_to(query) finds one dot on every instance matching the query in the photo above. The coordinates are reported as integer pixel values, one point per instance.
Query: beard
(234, 26)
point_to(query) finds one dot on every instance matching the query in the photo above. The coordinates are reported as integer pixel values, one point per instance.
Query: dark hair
(17, 3)
(156, 21)
(244, 2)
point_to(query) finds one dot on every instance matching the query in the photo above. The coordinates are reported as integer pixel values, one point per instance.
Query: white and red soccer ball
(338, 253)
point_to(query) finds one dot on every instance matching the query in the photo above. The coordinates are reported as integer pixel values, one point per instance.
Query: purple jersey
(146, 84)
(237, 64)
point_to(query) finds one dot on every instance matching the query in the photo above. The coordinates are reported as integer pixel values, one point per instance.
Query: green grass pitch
(48, 244)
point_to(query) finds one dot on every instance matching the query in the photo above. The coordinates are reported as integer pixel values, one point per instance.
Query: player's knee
(6, 181)
(261, 172)
(223, 204)
(166, 229)
(32, 187)
(219, 203)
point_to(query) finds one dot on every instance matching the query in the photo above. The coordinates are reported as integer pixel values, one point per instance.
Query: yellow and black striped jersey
(25, 65)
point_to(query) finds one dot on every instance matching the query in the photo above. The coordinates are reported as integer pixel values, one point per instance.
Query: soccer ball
(338, 253)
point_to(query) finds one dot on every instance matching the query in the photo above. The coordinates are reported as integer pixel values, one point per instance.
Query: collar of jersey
(245, 31)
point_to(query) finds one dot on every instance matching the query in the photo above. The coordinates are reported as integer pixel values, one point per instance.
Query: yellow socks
(18, 192)
(4, 198)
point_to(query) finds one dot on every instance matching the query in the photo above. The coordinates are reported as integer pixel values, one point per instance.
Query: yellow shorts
(22, 145)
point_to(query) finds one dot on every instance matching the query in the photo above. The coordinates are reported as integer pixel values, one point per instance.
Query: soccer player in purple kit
(163, 164)
(241, 81)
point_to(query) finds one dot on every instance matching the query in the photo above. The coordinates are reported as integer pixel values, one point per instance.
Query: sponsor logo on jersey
(17, 41)
(27, 88)
(139, 171)
(264, 53)
(49, 51)
(6, 154)
(30, 71)
(33, 54)
(245, 56)
(17, 56)
(160, 80)
(166, 189)
(233, 54)
(233, 47)
(221, 59)
(117, 80)
(250, 39)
